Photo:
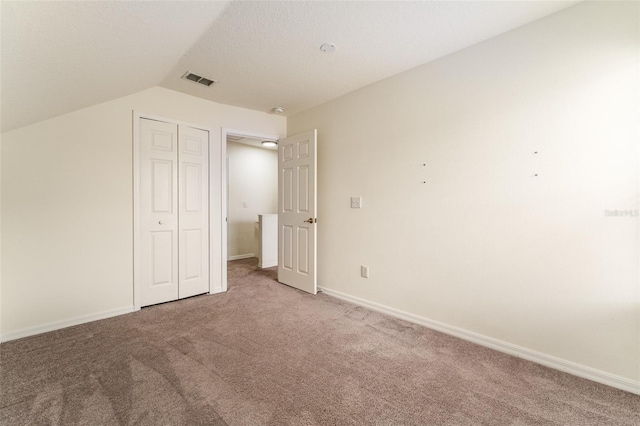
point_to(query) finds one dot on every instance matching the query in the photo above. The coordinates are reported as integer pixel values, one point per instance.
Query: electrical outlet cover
(364, 271)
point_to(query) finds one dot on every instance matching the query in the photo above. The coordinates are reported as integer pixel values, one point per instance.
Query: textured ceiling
(61, 56)
(58, 57)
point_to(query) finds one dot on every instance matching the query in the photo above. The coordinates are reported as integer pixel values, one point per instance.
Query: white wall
(67, 205)
(0, 233)
(253, 178)
(485, 245)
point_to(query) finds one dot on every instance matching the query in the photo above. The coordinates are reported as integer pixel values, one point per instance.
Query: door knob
(311, 220)
(160, 222)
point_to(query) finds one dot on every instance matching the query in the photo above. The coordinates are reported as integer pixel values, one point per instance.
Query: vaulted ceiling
(57, 57)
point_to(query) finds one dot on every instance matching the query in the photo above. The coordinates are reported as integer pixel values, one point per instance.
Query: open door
(297, 211)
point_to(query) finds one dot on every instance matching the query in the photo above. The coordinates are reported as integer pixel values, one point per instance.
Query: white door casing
(173, 205)
(297, 211)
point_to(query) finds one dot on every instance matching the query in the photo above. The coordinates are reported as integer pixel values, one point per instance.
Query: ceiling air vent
(198, 79)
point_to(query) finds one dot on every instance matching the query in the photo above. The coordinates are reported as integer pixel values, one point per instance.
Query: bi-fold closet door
(173, 205)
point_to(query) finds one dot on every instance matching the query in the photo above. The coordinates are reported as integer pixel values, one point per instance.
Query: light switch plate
(356, 202)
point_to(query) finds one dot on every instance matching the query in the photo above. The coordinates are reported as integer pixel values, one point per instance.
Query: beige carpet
(264, 353)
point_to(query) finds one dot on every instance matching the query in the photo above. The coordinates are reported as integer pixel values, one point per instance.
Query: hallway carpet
(266, 354)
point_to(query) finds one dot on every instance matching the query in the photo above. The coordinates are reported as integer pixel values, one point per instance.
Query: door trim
(214, 279)
(224, 192)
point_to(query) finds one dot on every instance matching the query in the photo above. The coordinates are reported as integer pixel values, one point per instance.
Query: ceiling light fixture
(328, 47)
(269, 143)
(278, 110)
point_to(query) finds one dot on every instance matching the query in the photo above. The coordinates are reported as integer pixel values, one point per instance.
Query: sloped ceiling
(61, 56)
(58, 57)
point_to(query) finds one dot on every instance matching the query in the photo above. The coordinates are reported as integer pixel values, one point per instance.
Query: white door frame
(224, 189)
(215, 280)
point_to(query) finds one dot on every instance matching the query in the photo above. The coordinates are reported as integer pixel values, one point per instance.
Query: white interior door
(173, 202)
(297, 211)
(158, 234)
(193, 222)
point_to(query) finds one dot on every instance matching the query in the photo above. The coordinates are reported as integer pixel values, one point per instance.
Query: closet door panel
(158, 204)
(193, 226)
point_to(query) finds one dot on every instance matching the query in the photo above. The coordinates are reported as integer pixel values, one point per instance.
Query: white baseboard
(57, 325)
(241, 256)
(268, 264)
(551, 361)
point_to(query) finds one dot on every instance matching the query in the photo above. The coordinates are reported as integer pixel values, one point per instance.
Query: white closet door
(158, 203)
(193, 225)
